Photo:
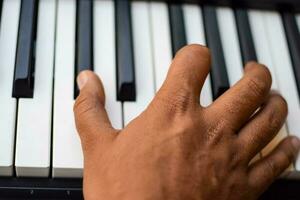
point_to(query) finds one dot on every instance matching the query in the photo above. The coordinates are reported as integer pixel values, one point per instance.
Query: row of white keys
(161, 41)
(283, 70)
(230, 43)
(34, 115)
(105, 58)
(8, 44)
(196, 35)
(256, 20)
(144, 71)
(67, 153)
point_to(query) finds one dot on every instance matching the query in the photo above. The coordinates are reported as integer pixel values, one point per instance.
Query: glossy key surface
(126, 88)
(25, 58)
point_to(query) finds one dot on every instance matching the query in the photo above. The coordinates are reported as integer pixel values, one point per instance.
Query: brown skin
(177, 149)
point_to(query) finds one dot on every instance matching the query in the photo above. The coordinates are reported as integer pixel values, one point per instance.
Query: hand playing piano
(177, 149)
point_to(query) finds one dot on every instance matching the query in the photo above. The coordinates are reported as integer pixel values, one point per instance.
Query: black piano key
(126, 88)
(245, 36)
(25, 56)
(177, 27)
(84, 38)
(293, 38)
(219, 75)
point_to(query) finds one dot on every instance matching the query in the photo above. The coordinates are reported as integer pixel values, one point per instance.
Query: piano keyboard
(45, 44)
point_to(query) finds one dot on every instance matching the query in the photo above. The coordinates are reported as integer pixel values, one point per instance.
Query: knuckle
(236, 158)
(177, 102)
(275, 120)
(258, 138)
(82, 107)
(215, 131)
(276, 166)
(271, 168)
(231, 107)
(85, 103)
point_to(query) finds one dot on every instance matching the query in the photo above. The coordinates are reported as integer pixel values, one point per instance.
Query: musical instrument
(130, 44)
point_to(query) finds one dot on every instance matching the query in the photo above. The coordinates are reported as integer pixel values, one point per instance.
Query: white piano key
(144, 68)
(67, 153)
(196, 35)
(298, 20)
(161, 38)
(230, 43)
(105, 58)
(33, 143)
(283, 70)
(260, 38)
(194, 25)
(8, 44)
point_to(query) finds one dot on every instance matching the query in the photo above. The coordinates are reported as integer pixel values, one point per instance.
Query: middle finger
(237, 104)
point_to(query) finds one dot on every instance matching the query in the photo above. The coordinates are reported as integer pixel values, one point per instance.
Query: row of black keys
(126, 89)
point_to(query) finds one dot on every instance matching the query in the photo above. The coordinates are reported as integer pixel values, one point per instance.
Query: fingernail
(296, 143)
(82, 79)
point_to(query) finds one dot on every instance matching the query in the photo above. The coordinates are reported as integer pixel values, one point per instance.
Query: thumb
(92, 122)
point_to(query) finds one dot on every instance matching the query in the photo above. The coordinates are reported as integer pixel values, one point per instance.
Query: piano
(44, 44)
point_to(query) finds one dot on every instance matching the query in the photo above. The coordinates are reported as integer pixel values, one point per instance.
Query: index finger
(237, 104)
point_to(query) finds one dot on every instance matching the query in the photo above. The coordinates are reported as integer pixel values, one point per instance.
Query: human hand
(177, 149)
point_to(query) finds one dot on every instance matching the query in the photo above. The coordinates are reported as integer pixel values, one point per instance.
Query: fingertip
(296, 144)
(249, 65)
(83, 78)
(91, 118)
(260, 74)
(279, 102)
(289, 148)
(193, 59)
(90, 84)
(188, 73)
(195, 51)
(259, 69)
(275, 92)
